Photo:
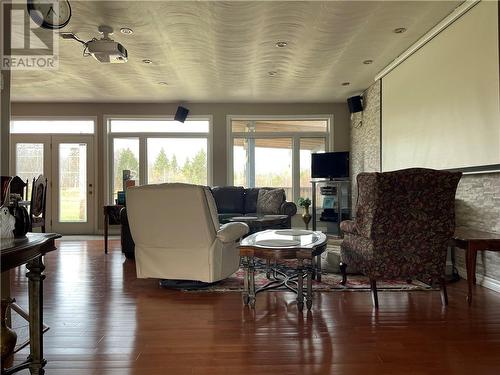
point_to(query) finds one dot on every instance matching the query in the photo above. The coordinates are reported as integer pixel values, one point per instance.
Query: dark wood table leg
(300, 285)
(106, 231)
(318, 268)
(251, 281)
(309, 294)
(246, 290)
(470, 260)
(35, 292)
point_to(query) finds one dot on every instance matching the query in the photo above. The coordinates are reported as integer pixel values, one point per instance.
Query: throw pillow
(269, 201)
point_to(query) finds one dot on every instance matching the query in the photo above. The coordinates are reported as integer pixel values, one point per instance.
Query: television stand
(331, 203)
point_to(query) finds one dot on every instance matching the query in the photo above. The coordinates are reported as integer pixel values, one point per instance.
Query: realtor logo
(27, 46)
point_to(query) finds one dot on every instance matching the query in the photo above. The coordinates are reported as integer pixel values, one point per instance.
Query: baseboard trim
(487, 282)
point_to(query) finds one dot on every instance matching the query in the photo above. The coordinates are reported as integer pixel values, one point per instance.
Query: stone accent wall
(478, 195)
(365, 138)
(478, 206)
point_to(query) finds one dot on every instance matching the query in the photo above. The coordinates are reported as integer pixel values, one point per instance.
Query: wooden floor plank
(106, 321)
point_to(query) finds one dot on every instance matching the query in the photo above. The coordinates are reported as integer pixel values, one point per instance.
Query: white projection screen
(441, 106)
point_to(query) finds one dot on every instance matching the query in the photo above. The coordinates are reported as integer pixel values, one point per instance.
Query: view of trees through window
(169, 160)
(165, 169)
(126, 157)
(176, 152)
(29, 162)
(177, 160)
(72, 182)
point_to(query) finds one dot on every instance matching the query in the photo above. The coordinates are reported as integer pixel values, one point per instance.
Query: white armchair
(177, 233)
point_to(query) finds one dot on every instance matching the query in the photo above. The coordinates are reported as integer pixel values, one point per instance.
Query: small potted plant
(305, 203)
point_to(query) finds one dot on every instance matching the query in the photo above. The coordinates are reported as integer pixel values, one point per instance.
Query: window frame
(295, 136)
(143, 137)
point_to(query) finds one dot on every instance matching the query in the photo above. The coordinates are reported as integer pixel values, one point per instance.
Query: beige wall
(218, 111)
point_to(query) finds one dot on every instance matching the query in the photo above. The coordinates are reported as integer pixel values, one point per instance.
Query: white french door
(68, 163)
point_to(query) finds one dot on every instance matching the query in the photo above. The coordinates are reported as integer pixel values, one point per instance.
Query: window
(276, 152)
(159, 150)
(72, 182)
(125, 156)
(52, 126)
(29, 162)
(177, 160)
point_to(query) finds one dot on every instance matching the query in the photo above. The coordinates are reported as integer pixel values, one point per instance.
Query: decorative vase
(306, 216)
(8, 337)
(8, 223)
(22, 217)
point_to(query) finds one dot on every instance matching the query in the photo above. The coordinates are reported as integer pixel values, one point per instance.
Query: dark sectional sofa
(239, 201)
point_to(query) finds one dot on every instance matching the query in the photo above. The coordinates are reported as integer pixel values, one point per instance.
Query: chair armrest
(348, 226)
(232, 232)
(288, 208)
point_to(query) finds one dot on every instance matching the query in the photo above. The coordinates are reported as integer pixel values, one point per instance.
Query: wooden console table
(29, 251)
(473, 241)
(111, 217)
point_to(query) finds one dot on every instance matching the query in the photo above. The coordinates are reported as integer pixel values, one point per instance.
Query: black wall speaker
(355, 104)
(181, 114)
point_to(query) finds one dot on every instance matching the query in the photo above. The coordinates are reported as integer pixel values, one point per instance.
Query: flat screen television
(330, 165)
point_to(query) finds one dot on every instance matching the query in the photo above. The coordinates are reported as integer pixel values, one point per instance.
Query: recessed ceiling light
(163, 83)
(367, 62)
(281, 44)
(346, 83)
(147, 61)
(272, 73)
(400, 30)
(126, 30)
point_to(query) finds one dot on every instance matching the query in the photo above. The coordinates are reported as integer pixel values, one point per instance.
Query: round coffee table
(259, 223)
(273, 245)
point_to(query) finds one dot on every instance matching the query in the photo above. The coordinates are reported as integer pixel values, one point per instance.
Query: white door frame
(50, 172)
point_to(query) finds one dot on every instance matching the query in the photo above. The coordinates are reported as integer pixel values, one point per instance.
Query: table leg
(35, 292)
(251, 270)
(245, 281)
(300, 285)
(105, 232)
(470, 260)
(318, 268)
(309, 295)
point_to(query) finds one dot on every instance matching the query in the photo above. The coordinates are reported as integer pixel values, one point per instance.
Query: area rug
(330, 282)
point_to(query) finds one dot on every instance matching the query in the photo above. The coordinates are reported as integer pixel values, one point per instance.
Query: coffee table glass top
(282, 239)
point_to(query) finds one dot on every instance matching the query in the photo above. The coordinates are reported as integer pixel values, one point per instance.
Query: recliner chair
(177, 233)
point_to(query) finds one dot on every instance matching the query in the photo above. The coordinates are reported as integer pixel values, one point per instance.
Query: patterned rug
(329, 282)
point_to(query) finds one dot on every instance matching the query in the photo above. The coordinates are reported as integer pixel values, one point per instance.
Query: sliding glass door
(276, 153)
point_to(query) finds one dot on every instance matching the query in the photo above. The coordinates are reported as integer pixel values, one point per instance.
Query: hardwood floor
(105, 321)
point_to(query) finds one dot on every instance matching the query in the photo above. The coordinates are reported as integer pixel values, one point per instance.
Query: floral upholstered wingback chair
(404, 221)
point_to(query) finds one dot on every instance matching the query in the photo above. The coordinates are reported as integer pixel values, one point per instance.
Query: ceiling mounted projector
(104, 50)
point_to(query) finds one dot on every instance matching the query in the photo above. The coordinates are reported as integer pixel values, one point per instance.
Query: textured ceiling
(222, 51)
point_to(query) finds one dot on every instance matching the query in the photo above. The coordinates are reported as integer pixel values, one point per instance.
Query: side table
(111, 217)
(473, 241)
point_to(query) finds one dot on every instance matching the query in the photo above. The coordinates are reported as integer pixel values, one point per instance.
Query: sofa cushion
(229, 199)
(251, 195)
(269, 201)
